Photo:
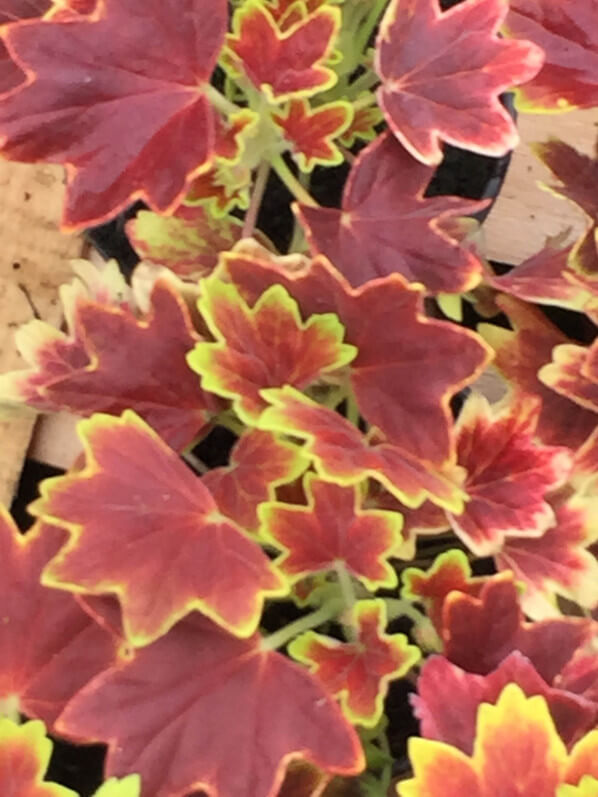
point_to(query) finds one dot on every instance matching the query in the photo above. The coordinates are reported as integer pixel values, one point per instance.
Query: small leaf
(178, 553)
(359, 672)
(188, 242)
(311, 132)
(283, 63)
(264, 346)
(259, 463)
(333, 528)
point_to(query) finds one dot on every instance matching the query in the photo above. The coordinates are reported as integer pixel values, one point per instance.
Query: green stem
(368, 25)
(364, 83)
(386, 776)
(312, 620)
(257, 195)
(352, 409)
(397, 607)
(231, 422)
(219, 101)
(291, 182)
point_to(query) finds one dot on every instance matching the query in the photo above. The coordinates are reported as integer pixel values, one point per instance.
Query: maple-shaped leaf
(576, 172)
(358, 671)
(442, 74)
(508, 473)
(362, 126)
(341, 453)
(386, 225)
(64, 649)
(478, 632)
(177, 551)
(567, 34)
(407, 366)
(91, 370)
(25, 752)
(448, 700)
(283, 63)
(519, 355)
(517, 751)
(558, 562)
(91, 89)
(311, 132)
(221, 693)
(449, 571)
(333, 528)
(188, 242)
(259, 463)
(264, 346)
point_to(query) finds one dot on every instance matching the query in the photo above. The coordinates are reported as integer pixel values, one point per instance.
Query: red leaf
(519, 356)
(91, 371)
(188, 242)
(264, 346)
(333, 528)
(577, 173)
(546, 278)
(567, 34)
(573, 373)
(177, 552)
(49, 647)
(341, 453)
(508, 474)
(386, 225)
(517, 752)
(450, 571)
(407, 366)
(13, 11)
(449, 697)
(311, 132)
(259, 463)
(283, 63)
(557, 562)
(479, 632)
(244, 712)
(442, 74)
(24, 757)
(359, 672)
(91, 89)
(363, 126)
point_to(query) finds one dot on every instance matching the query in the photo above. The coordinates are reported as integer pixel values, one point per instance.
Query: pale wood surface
(524, 215)
(33, 263)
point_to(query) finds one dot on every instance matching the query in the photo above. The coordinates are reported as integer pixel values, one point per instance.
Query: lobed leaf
(360, 671)
(90, 89)
(64, 649)
(264, 346)
(221, 693)
(386, 225)
(333, 528)
(442, 73)
(178, 553)
(259, 463)
(283, 63)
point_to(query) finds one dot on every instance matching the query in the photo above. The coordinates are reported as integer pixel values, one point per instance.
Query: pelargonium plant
(236, 623)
